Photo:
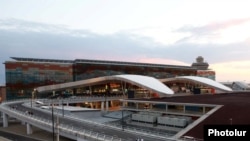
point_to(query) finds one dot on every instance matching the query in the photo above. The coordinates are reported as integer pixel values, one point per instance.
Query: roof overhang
(199, 80)
(145, 82)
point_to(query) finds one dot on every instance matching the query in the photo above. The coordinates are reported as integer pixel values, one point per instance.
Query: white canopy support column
(5, 120)
(166, 107)
(107, 106)
(29, 129)
(102, 106)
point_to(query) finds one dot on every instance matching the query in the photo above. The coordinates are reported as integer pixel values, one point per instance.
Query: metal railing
(84, 99)
(75, 132)
(64, 129)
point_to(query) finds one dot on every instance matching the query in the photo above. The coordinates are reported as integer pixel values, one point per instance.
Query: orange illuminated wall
(2, 93)
(206, 73)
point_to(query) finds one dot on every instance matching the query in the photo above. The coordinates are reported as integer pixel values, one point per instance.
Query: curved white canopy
(202, 80)
(146, 82)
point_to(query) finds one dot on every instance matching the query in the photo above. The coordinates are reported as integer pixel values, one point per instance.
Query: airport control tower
(200, 64)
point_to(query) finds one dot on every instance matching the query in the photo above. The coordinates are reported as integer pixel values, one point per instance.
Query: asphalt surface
(81, 125)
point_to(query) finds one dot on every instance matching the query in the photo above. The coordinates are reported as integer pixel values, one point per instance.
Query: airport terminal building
(131, 94)
(25, 74)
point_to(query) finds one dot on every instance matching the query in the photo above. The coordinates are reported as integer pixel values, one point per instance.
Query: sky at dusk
(172, 32)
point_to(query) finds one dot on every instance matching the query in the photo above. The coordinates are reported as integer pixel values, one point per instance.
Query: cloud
(213, 32)
(33, 39)
(23, 38)
(235, 70)
(213, 27)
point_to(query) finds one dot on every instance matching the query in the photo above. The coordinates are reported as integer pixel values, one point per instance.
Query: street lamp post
(32, 96)
(105, 96)
(53, 128)
(57, 127)
(122, 121)
(31, 100)
(62, 108)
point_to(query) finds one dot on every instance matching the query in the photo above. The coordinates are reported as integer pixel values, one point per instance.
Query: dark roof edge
(42, 60)
(130, 63)
(100, 62)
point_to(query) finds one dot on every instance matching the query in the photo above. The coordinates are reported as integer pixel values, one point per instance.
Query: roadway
(71, 122)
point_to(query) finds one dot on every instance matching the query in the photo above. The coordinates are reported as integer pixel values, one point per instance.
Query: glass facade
(25, 74)
(23, 77)
(85, 70)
